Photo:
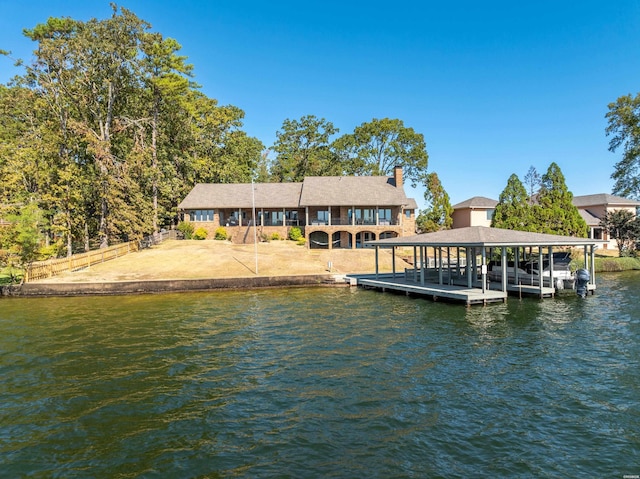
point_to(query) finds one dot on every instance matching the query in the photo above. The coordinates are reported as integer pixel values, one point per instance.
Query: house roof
(313, 191)
(590, 218)
(479, 236)
(476, 202)
(603, 199)
(351, 191)
(239, 195)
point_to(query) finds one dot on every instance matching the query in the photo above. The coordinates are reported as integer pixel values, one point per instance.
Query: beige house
(331, 211)
(594, 207)
(478, 211)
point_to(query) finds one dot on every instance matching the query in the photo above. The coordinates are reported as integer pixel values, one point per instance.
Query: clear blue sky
(495, 87)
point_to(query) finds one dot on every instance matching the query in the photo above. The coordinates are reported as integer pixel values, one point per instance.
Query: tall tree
(624, 124)
(555, 211)
(376, 147)
(165, 74)
(532, 182)
(513, 210)
(439, 213)
(303, 149)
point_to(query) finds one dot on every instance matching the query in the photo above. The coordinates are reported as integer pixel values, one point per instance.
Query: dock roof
(483, 236)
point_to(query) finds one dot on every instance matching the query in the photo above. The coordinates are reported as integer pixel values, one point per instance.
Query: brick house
(331, 211)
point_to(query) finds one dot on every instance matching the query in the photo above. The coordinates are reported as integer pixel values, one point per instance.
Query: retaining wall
(170, 285)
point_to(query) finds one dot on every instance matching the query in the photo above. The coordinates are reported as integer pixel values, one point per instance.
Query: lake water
(321, 382)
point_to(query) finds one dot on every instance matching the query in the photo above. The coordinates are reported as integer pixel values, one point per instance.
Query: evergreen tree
(438, 215)
(555, 212)
(513, 210)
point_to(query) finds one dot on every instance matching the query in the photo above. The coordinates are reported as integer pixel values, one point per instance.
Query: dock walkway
(433, 291)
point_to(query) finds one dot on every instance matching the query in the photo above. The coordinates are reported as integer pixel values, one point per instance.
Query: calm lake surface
(321, 382)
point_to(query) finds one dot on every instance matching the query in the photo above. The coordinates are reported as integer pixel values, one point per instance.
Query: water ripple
(320, 383)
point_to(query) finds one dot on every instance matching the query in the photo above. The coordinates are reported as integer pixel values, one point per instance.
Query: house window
(384, 216)
(202, 215)
(490, 214)
(407, 214)
(323, 217)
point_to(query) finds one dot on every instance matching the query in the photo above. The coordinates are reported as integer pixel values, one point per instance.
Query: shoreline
(158, 286)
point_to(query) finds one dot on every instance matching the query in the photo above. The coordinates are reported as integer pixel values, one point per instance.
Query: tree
(303, 149)
(438, 215)
(376, 147)
(555, 212)
(624, 226)
(624, 125)
(532, 182)
(513, 210)
(27, 237)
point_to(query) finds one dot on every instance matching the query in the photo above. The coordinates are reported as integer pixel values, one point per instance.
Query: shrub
(221, 234)
(301, 242)
(276, 237)
(186, 229)
(200, 234)
(295, 233)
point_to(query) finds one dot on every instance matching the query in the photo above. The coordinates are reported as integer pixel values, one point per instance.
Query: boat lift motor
(582, 279)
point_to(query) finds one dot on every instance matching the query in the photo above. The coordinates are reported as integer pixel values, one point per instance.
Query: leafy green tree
(376, 147)
(624, 124)
(303, 149)
(27, 228)
(513, 210)
(555, 212)
(624, 227)
(439, 213)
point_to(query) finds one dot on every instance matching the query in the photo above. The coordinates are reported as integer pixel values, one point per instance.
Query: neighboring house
(331, 211)
(594, 207)
(476, 211)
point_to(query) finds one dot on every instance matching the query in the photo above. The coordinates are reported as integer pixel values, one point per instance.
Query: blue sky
(495, 87)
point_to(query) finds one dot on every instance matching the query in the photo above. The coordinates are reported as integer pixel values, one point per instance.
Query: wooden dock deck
(433, 291)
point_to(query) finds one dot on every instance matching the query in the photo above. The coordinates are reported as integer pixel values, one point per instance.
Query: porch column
(284, 217)
(593, 265)
(468, 266)
(505, 269)
(393, 261)
(540, 266)
(551, 281)
(377, 248)
(484, 269)
(306, 216)
(329, 218)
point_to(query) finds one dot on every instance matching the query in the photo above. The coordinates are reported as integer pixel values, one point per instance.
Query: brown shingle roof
(483, 236)
(476, 202)
(351, 191)
(603, 199)
(314, 191)
(239, 195)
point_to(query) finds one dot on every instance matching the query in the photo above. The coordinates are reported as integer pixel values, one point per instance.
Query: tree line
(106, 132)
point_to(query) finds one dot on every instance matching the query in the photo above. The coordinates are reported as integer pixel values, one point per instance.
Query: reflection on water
(320, 383)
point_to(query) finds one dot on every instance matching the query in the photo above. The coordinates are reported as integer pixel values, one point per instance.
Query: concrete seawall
(169, 285)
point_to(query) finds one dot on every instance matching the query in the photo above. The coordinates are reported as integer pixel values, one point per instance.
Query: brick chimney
(397, 175)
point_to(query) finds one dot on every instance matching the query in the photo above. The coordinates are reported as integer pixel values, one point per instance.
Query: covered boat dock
(460, 261)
